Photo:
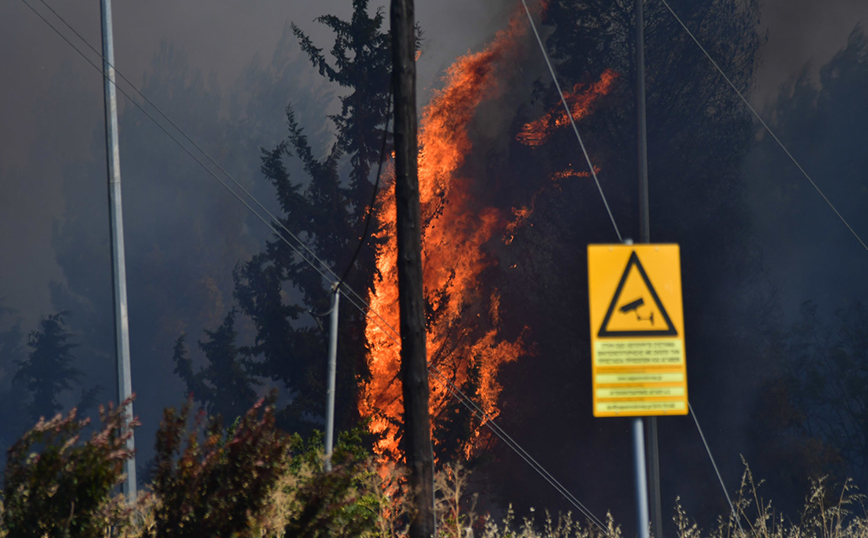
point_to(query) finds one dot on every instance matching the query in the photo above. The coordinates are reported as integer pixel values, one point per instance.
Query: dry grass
(826, 514)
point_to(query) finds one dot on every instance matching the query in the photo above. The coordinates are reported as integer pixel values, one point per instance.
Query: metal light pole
(641, 477)
(639, 469)
(332, 369)
(119, 272)
(645, 237)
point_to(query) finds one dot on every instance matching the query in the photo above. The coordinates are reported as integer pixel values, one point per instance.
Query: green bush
(219, 485)
(254, 481)
(347, 501)
(56, 485)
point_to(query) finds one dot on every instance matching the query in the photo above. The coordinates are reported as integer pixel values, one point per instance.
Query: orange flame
(454, 236)
(465, 342)
(580, 99)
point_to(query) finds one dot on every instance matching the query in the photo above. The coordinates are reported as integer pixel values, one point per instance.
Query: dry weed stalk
(450, 485)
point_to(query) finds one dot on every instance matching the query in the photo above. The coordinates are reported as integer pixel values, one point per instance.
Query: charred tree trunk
(414, 361)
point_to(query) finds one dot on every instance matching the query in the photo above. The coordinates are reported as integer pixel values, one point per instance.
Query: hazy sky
(219, 37)
(802, 31)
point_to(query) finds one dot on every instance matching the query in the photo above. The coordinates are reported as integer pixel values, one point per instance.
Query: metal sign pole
(641, 477)
(332, 369)
(119, 272)
(641, 474)
(645, 237)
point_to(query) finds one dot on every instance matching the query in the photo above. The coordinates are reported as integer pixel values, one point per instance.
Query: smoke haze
(225, 71)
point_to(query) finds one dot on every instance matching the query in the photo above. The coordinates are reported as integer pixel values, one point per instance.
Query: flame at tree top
(465, 343)
(537, 132)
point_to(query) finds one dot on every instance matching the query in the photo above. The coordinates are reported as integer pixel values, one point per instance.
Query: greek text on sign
(637, 330)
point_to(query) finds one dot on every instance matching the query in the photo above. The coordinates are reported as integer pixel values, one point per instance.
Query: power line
(501, 434)
(570, 116)
(487, 420)
(590, 166)
(522, 453)
(804, 173)
(763, 123)
(716, 471)
(194, 157)
(354, 298)
(334, 277)
(370, 212)
(331, 279)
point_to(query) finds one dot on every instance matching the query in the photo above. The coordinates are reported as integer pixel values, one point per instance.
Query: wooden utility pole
(414, 359)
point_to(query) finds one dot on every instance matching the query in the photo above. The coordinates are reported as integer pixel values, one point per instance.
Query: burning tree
(465, 346)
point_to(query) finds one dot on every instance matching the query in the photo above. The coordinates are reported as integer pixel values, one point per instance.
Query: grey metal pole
(644, 218)
(332, 368)
(641, 485)
(654, 477)
(119, 272)
(645, 237)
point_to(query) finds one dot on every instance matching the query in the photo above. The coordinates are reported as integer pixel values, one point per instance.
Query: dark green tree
(224, 386)
(822, 124)
(49, 369)
(362, 63)
(328, 210)
(11, 343)
(12, 393)
(810, 417)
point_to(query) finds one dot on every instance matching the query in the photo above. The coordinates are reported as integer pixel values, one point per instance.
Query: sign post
(637, 342)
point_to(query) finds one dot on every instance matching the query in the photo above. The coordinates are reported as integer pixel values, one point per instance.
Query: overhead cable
(370, 208)
(734, 513)
(195, 158)
(570, 116)
(764, 124)
(332, 279)
(501, 434)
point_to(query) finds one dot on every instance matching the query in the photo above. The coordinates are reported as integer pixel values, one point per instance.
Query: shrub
(56, 485)
(349, 500)
(455, 513)
(219, 486)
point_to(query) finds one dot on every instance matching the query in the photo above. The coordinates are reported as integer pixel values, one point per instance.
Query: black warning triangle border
(603, 332)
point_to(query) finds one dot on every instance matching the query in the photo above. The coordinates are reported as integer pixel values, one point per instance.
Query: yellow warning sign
(637, 330)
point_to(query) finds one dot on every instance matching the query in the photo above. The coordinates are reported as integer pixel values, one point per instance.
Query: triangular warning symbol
(635, 317)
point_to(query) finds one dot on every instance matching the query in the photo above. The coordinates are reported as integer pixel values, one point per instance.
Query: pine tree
(12, 394)
(277, 287)
(48, 371)
(362, 56)
(225, 386)
(329, 208)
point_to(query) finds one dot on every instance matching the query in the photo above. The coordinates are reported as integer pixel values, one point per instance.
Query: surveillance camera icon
(634, 307)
